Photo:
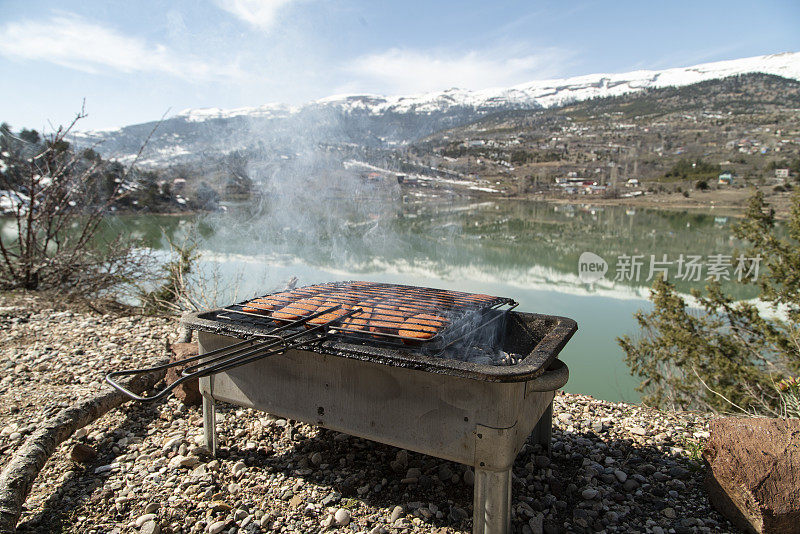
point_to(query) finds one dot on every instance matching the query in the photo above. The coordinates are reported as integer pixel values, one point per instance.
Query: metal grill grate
(390, 313)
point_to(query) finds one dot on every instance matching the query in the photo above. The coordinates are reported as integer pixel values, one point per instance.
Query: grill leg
(209, 424)
(543, 431)
(492, 502)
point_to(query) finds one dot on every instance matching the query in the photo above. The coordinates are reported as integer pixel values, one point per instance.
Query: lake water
(525, 250)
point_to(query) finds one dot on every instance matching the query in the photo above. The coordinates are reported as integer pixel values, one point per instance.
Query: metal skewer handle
(242, 353)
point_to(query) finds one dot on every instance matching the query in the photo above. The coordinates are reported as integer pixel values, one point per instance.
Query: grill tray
(538, 338)
(461, 312)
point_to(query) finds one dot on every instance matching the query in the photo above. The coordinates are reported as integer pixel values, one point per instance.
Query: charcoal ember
(486, 354)
(188, 392)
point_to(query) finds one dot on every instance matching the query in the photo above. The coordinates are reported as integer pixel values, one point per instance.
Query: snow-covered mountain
(375, 119)
(545, 93)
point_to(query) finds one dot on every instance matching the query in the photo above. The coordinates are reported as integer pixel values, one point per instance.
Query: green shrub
(727, 354)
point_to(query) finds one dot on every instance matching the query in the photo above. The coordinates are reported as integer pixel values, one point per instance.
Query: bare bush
(185, 284)
(57, 199)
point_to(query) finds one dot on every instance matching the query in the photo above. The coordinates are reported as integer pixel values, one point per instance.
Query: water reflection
(524, 244)
(525, 250)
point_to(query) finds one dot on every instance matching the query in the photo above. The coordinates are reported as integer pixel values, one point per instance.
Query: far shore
(723, 202)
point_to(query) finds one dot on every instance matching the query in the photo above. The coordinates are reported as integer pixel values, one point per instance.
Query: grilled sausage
(361, 319)
(387, 319)
(422, 326)
(333, 315)
(297, 309)
(266, 304)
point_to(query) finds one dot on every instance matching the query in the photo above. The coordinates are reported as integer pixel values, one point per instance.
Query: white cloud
(409, 71)
(258, 13)
(76, 43)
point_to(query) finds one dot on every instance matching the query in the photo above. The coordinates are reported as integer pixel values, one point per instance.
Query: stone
(396, 513)
(188, 392)
(402, 457)
(106, 468)
(331, 498)
(183, 461)
(469, 477)
(141, 520)
(630, 485)
(589, 494)
(82, 453)
(199, 470)
(239, 467)
(679, 472)
(190, 461)
(151, 508)
(458, 514)
(526, 509)
(754, 472)
(536, 524)
(638, 431)
(445, 473)
(396, 466)
(342, 517)
(150, 527)
(220, 506)
(622, 476)
(216, 528)
(328, 522)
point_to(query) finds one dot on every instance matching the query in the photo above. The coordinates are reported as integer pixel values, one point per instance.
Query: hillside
(385, 121)
(747, 124)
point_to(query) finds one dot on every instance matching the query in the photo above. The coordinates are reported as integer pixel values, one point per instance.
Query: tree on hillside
(728, 354)
(693, 170)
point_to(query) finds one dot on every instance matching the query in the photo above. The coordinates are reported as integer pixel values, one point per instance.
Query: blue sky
(135, 61)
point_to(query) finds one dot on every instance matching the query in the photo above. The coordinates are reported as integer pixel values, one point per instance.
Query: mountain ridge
(374, 120)
(545, 93)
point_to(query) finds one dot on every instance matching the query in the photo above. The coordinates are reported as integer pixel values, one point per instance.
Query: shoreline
(723, 202)
(731, 202)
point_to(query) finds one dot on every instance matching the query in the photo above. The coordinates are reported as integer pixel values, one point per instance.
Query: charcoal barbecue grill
(389, 377)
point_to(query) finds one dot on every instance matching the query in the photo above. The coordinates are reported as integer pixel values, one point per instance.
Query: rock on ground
(188, 392)
(754, 478)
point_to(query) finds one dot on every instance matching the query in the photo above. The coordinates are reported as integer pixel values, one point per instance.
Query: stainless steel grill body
(456, 411)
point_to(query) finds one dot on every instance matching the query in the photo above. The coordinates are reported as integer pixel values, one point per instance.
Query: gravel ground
(614, 467)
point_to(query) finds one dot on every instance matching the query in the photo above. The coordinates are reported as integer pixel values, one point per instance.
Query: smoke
(326, 199)
(479, 337)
